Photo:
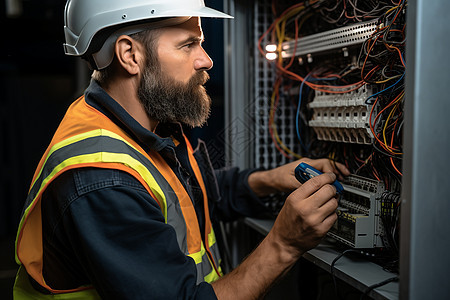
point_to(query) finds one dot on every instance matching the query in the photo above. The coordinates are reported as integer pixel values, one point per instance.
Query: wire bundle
(380, 63)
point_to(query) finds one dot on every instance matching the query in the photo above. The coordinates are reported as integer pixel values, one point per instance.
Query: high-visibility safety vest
(87, 138)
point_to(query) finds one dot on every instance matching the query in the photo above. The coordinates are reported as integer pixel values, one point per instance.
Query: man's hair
(148, 38)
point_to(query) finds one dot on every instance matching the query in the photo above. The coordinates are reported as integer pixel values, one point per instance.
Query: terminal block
(359, 223)
(342, 117)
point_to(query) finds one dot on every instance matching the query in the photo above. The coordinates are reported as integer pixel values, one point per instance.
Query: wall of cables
(330, 83)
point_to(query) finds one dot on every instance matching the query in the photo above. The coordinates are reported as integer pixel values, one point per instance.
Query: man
(120, 205)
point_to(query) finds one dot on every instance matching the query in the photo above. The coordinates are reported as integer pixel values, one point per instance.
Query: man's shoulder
(88, 185)
(80, 181)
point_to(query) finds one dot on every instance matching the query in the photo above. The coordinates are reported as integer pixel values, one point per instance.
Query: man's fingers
(335, 167)
(328, 222)
(314, 184)
(341, 171)
(329, 207)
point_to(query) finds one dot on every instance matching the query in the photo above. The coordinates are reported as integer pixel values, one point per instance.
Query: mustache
(199, 78)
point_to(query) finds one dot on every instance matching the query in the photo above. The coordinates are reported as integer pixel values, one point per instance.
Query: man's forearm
(253, 278)
(261, 183)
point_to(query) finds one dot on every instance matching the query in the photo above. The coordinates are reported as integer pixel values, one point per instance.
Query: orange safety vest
(87, 138)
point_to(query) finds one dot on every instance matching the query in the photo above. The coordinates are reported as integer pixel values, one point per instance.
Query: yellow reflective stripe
(197, 256)
(66, 142)
(80, 137)
(131, 162)
(24, 291)
(211, 277)
(123, 158)
(211, 238)
(112, 158)
(22, 220)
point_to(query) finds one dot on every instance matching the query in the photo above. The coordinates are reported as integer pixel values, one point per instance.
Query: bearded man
(120, 206)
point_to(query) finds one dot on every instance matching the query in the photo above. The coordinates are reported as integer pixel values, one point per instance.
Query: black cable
(332, 269)
(389, 215)
(377, 285)
(370, 288)
(385, 153)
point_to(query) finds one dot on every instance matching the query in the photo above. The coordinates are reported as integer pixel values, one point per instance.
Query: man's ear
(129, 54)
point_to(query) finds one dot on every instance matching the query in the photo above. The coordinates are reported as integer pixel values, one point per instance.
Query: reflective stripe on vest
(23, 290)
(106, 149)
(210, 238)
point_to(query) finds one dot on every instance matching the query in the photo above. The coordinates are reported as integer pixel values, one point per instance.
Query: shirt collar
(97, 97)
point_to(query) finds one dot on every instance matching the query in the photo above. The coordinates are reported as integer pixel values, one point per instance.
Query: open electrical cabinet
(362, 83)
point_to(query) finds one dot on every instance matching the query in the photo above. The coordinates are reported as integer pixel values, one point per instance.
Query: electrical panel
(330, 83)
(359, 224)
(342, 117)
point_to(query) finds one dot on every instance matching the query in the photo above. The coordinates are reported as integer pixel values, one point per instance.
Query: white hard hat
(107, 19)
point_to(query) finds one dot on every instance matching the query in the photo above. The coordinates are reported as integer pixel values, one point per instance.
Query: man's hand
(307, 215)
(282, 179)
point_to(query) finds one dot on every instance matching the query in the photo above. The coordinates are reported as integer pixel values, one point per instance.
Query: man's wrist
(270, 261)
(262, 183)
(285, 254)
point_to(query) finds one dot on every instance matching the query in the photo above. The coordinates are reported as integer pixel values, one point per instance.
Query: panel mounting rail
(328, 40)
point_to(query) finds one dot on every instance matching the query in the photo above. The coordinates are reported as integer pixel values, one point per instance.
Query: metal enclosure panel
(425, 238)
(238, 119)
(238, 91)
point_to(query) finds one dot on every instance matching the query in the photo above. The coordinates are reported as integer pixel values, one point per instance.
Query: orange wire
(392, 143)
(323, 88)
(386, 147)
(320, 87)
(374, 171)
(367, 56)
(275, 22)
(346, 15)
(272, 119)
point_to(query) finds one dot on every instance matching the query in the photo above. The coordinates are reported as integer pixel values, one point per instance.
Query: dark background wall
(37, 83)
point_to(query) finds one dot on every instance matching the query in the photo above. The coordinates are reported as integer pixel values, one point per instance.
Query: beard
(168, 100)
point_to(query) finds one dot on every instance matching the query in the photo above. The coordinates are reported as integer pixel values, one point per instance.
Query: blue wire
(298, 114)
(385, 88)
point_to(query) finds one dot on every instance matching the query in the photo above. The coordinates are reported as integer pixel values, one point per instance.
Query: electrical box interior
(329, 82)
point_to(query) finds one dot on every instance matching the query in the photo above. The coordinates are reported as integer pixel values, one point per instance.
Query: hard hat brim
(204, 12)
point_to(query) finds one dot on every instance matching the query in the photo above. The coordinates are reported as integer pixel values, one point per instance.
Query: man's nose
(203, 61)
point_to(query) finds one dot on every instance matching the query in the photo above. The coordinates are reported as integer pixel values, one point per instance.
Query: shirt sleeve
(113, 234)
(236, 197)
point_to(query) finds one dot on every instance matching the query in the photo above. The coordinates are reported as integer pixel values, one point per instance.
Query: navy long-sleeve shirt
(101, 227)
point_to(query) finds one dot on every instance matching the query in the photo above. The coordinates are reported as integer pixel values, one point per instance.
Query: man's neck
(125, 93)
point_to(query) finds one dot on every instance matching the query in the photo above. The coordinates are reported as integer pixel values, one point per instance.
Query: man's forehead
(193, 25)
